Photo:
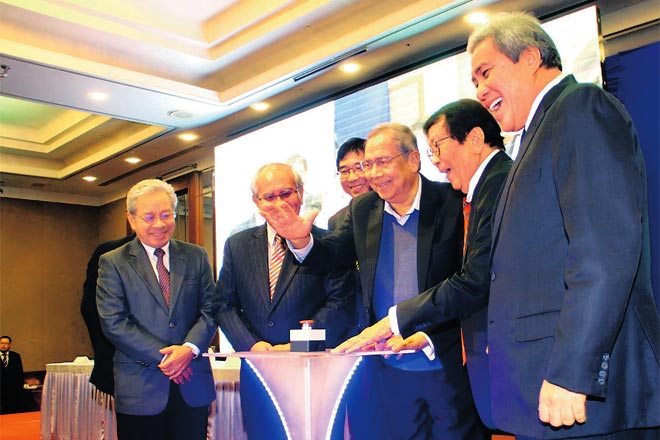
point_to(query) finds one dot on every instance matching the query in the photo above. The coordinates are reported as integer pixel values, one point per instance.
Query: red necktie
(163, 275)
(466, 219)
(275, 264)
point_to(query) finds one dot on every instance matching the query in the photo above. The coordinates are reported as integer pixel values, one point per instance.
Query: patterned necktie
(163, 275)
(466, 219)
(5, 361)
(275, 264)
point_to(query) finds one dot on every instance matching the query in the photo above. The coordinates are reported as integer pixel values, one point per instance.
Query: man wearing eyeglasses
(406, 237)
(260, 304)
(155, 303)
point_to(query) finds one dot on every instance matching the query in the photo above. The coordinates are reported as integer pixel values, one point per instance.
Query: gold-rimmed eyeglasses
(283, 195)
(164, 216)
(380, 161)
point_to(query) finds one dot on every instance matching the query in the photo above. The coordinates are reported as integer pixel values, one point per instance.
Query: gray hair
(513, 32)
(147, 187)
(296, 176)
(400, 132)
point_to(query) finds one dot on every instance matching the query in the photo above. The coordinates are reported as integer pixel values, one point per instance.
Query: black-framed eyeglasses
(164, 216)
(434, 150)
(380, 161)
(344, 172)
(285, 194)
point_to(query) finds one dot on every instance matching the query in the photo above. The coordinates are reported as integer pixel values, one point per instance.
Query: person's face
(396, 180)
(457, 160)
(276, 186)
(355, 183)
(5, 345)
(155, 205)
(505, 88)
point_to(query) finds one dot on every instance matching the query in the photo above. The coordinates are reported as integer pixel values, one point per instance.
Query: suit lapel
(547, 102)
(141, 264)
(428, 204)
(257, 248)
(371, 246)
(178, 263)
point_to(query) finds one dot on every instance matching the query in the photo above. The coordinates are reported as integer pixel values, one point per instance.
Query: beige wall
(44, 249)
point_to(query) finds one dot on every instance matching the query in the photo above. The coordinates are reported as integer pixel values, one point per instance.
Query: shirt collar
(150, 250)
(541, 95)
(402, 219)
(477, 175)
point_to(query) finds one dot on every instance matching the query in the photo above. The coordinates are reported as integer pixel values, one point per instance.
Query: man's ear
(531, 57)
(475, 139)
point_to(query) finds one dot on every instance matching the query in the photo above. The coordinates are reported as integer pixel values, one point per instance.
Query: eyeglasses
(344, 172)
(434, 151)
(164, 216)
(285, 194)
(380, 161)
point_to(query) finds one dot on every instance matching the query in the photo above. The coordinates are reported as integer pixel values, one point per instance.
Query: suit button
(271, 323)
(601, 381)
(606, 357)
(172, 324)
(602, 374)
(604, 366)
(492, 276)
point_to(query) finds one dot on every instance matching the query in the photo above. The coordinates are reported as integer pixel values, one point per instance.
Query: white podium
(305, 388)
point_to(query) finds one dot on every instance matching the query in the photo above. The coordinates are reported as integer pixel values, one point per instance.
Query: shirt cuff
(429, 350)
(301, 253)
(193, 347)
(394, 322)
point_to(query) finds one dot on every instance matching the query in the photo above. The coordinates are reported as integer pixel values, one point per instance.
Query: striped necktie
(163, 275)
(5, 361)
(275, 264)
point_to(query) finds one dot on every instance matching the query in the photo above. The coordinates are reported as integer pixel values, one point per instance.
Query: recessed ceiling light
(188, 136)
(89, 178)
(260, 106)
(97, 96)
(181, 114)
(133, 160)
(477, 18)
(349, 67)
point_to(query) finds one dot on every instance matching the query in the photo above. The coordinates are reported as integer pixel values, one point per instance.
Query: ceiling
(169, 67)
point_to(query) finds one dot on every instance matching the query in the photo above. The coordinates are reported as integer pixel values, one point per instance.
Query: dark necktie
(5, 361)
(275, 264)
(163, 275)
(466, 219)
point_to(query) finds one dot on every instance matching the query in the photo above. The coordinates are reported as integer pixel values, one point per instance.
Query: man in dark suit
(350, 156)
(465, 144)
(102, 376)
(11, 378)
(155, 303)
(257, 314)
(407, 237)
(573, 330)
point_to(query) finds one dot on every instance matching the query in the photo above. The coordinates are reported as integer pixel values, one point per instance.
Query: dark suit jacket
(104, 351)
(11, 384)
(361, 322)
(246, 313)
(439, 248)
(135, 318)
(570, 297)
(465, 293)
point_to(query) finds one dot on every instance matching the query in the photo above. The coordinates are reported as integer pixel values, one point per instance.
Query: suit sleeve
(118, 325)
(467, 290)
(599, 180)
(204, 328)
